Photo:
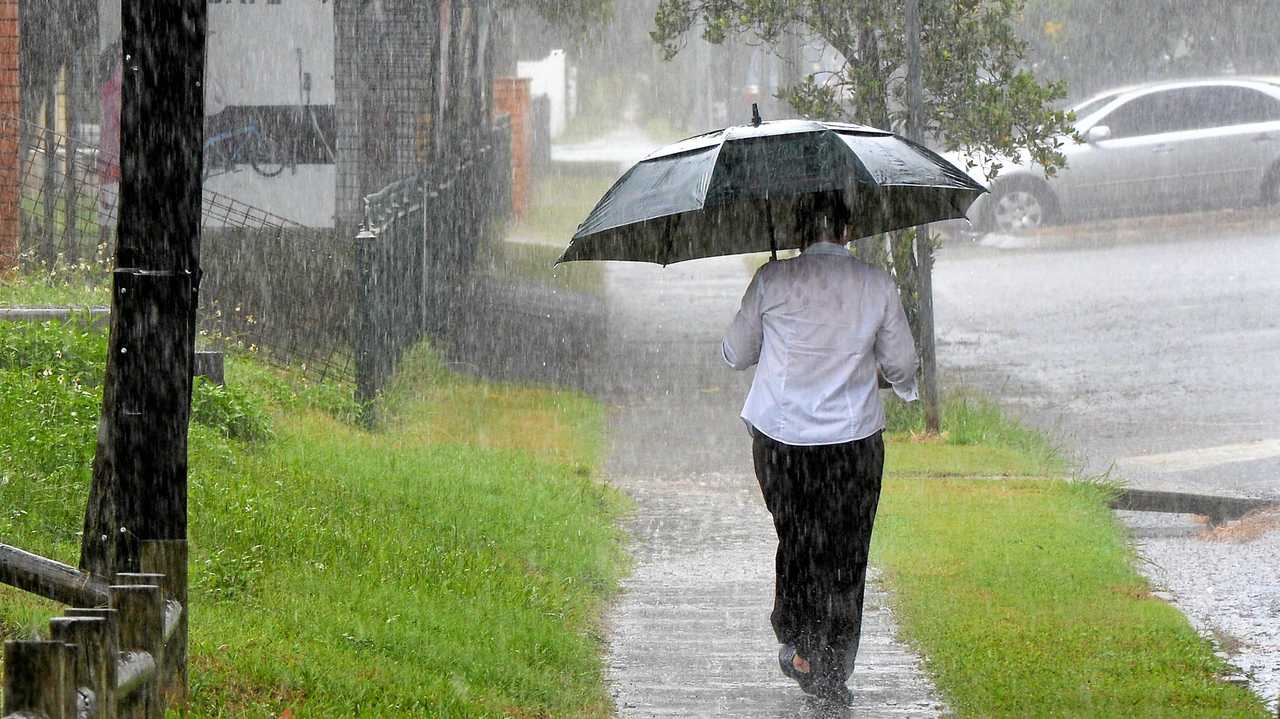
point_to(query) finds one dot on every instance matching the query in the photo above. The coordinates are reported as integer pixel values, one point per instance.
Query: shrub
(230, 411)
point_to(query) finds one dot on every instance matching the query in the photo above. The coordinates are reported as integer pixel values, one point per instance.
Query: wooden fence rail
(124, 657)
(50, 579)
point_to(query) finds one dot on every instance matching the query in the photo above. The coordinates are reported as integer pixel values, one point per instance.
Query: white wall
(256, 50)
(549, 76)
(258, 53)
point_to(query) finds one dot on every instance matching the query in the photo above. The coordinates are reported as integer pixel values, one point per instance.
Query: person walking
(823, 330)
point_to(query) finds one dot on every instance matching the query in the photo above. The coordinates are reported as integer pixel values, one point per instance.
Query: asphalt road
(1150, 347)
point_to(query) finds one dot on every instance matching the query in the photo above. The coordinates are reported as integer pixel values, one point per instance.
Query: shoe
(786, 662)
(833, 693)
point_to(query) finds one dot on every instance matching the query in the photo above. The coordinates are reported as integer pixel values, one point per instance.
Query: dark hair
(827, 209)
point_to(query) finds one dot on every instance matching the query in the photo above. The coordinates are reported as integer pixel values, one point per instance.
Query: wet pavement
(690, 634)
(1150, 348)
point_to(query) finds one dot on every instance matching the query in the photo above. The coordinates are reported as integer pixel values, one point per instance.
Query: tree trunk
(139, 486)
(924, 246)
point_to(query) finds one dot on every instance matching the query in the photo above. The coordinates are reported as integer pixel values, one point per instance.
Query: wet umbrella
(718, 193)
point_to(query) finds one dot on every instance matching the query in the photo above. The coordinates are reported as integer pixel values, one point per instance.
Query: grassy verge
(1021, 592)
(452, 565)
(558, 204)
(65, 287)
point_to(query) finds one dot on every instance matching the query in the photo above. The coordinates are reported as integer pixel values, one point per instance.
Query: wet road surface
(1161, 358)
(690, 635)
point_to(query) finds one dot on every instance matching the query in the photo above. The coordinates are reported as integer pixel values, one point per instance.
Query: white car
(1166, 146)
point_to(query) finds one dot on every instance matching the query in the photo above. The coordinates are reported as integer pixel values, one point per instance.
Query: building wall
(270, 65)
(550, 77)
(10, 109)
(511, 96)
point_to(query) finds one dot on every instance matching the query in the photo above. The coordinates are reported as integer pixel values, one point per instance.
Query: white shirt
(818, 326)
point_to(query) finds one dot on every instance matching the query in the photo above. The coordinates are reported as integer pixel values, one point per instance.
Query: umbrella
(717, 193)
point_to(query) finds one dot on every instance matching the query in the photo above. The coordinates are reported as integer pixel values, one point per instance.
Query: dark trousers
(823, 500)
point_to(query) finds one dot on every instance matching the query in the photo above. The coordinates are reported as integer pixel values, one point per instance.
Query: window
(1145, 115)
(1088, 108)
(1229, 105)
(1191, 108)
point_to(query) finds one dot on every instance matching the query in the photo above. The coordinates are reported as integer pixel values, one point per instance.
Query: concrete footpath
(690, 635)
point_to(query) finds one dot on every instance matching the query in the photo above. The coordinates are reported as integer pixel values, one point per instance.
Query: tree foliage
(576, 17)
(980, 96)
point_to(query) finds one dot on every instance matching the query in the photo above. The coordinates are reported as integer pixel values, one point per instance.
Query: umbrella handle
(773, 238)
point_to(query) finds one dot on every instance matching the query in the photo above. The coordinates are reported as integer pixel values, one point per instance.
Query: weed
(229, 410)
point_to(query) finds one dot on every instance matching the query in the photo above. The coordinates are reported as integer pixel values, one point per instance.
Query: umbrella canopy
(718, 193)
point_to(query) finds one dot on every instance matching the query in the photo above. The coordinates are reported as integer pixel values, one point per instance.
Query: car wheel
(1017, 207)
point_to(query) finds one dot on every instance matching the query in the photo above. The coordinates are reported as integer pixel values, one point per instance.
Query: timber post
(139, 489)
(93, 654)
(141, 645)
(50, 579)
(35, 679)
(105, 699)
(168, 558)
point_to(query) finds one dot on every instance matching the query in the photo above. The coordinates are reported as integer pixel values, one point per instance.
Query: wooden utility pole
(924, 246)
(139, 487)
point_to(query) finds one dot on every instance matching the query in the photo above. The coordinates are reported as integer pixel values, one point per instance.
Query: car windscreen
(1089, 107)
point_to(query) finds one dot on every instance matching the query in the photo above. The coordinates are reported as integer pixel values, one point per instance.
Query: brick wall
(10, 107)
(511, 97)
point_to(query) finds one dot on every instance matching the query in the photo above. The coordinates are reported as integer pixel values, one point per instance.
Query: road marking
(1192, 459)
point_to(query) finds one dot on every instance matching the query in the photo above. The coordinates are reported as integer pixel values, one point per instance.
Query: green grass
(977, 439)
(1022, 592)
(63, 287)
(86, 214)
(452, 565)
(558, 204)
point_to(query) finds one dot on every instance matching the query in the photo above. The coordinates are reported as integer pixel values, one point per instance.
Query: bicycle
(226, 149)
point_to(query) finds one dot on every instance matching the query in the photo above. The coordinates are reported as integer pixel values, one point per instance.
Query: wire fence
(420, 238)
(302, 297)
(428, 270)
(270, 286)
(66, 209)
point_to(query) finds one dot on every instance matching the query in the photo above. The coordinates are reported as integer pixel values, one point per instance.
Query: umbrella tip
(755, 115)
